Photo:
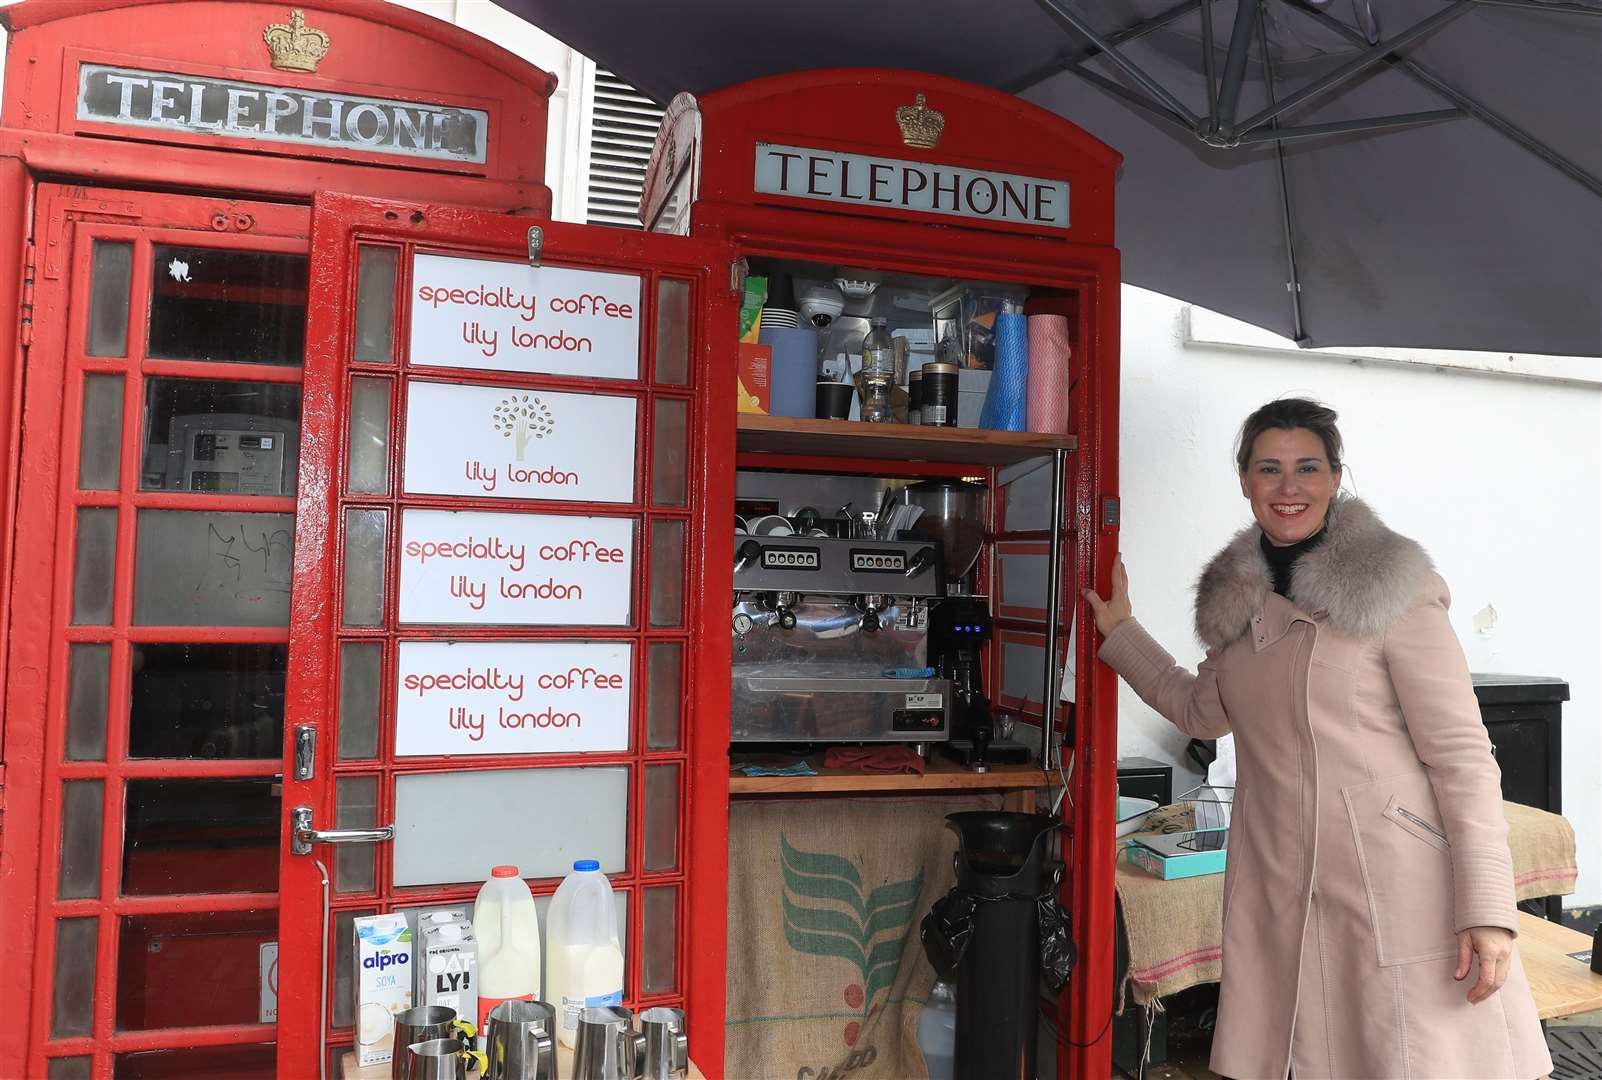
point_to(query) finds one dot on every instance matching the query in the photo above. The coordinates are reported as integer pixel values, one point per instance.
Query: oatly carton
(447, 963)
(383, 983)
(421, 920)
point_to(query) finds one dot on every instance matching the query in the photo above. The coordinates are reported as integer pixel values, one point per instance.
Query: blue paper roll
(795, 370)
(1007, 401)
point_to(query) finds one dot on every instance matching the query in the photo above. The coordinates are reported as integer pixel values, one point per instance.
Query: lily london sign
(923, 187)
(242, 110)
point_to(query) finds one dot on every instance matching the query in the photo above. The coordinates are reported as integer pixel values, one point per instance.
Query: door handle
(304, 836)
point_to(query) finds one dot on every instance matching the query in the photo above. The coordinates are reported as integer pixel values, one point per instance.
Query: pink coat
(1368, 826)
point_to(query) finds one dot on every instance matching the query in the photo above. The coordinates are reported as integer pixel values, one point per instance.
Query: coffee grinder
(953, 512)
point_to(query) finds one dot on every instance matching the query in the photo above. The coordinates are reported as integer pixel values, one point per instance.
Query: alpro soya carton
(383, 983)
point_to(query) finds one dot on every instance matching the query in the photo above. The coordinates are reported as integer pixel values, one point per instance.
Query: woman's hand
(1494, 945)
(1110, 613)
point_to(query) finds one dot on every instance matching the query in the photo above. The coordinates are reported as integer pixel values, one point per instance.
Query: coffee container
(915, 396)
(937, 405)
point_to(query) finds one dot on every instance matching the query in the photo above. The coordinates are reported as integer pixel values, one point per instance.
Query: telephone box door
(504, 574)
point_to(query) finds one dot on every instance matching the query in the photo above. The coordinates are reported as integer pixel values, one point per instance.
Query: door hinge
(29, 271)
(536, 245)
(738, 269)
(1109, 512)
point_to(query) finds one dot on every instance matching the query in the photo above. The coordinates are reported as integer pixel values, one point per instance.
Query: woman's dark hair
(1288, 414)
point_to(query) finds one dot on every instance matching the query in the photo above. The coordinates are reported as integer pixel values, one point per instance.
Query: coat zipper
(1421, 823)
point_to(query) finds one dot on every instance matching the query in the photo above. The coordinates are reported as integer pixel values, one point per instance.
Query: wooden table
(1562, 985)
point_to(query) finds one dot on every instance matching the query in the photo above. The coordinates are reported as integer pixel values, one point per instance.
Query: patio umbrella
(1422, 173)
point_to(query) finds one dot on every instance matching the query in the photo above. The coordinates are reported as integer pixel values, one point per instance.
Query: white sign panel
(512, 697)
(200, 105)
(861, 180)
(507, 316)
(503, 442)
(267, 977)
(486, 568)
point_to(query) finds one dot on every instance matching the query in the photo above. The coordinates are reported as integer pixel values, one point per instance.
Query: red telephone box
(274, 451)
(913, 174)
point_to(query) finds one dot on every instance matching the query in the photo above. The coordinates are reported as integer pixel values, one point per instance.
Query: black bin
(1003, 861)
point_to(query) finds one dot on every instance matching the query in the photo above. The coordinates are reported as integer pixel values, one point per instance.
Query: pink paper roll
(1049, 374)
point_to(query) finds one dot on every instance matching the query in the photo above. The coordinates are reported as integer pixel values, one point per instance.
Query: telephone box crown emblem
(294, 45)
(920, 125)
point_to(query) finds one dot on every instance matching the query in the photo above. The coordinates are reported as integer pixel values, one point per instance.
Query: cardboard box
(756, 378)
(1171, 856)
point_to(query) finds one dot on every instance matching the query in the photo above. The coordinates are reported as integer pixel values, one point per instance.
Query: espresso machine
(831, 641)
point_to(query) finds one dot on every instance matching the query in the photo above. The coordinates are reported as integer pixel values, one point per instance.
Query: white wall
(1499, 477)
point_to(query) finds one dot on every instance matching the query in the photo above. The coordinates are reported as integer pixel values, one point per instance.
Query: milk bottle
(507, 928)
(585, 965)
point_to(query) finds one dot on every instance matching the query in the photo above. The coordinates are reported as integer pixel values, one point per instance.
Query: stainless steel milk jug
(436, 1059)
(667, 1044)
(606, 1046)
(519, 1041)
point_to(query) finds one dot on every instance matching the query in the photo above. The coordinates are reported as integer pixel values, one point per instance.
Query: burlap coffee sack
(1175, 928)
(1544, 863)
(826, 972)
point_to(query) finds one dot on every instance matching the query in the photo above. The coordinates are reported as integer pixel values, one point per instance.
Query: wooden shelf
(942, 775)
(905, 442)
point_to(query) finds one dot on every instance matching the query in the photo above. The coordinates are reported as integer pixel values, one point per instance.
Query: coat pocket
(1406, 866)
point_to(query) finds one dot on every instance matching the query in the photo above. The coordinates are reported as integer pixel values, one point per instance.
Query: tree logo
(521, 417)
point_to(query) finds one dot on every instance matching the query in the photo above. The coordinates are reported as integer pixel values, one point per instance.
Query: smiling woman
(1368, 797)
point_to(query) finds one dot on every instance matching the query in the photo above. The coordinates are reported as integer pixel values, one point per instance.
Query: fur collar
(1363, 575)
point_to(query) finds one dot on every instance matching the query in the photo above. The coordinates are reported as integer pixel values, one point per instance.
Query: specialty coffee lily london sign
(200, 105)
(506, 316)
(512, 697)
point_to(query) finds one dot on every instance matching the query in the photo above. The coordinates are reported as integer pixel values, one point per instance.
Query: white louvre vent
(623, 131)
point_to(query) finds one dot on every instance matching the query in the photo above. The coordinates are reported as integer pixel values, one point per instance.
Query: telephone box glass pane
(660, 938)
(673, 331)
(72, 1012)
(375, 304)
(95, 572)
(207, 701)
(194, 969)
(364, 566)
(202, 568)
(368, 467)
(667, 573)
(200, 836)
(81, 809)
(100, 442)
(661, 817)
(670, 460)
(222, 304)
(344, 949)
(355, 807)
(360, 673)
(73, 1068)
(255, 1061)
(110, 288)
(88, 692)
(664, 684)
(213, 435)
(432, 847)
